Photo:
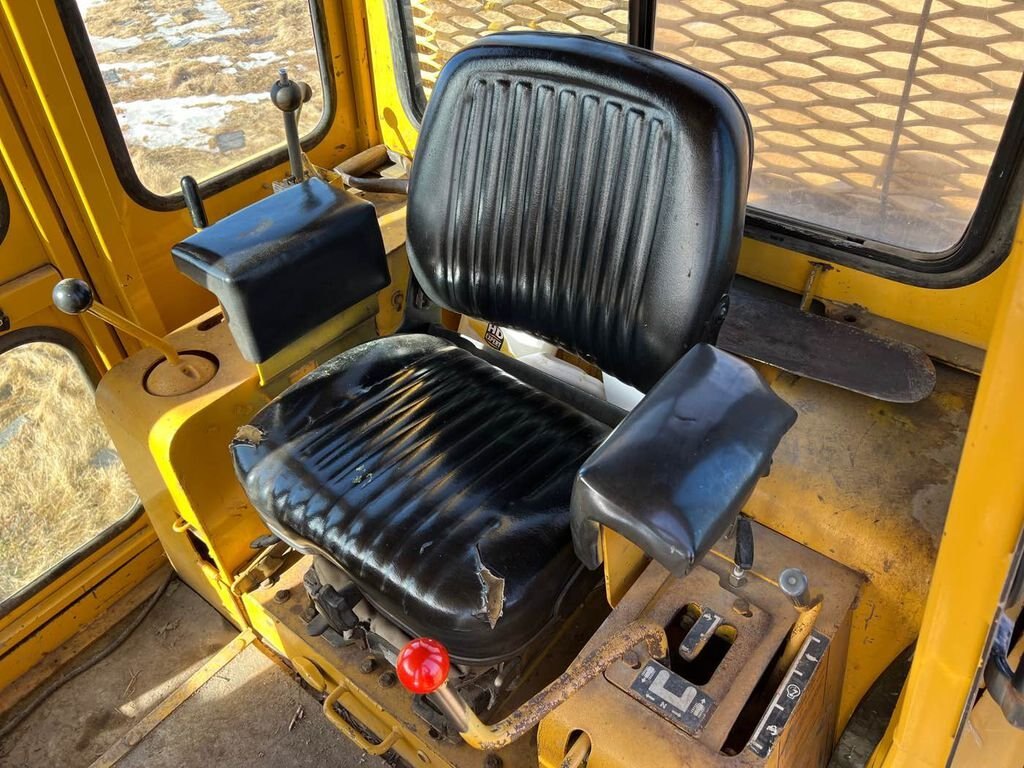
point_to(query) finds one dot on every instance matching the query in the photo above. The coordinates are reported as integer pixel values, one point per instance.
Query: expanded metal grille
(878, 118)
(442, 27)
(875, 118)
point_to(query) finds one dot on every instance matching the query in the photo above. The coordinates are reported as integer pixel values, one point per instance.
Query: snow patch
(182, 121)
(102, 44)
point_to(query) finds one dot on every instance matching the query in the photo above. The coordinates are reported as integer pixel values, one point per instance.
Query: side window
(189, 82)
(62, 484)
(442, 27)
(878, 119)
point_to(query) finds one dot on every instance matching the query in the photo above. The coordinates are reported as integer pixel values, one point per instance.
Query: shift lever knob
(423, 665)
(289, 95)
(794, 584)
(74, 297)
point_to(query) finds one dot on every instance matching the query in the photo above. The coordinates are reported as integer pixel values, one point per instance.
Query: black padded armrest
(287, 263)
(674, 474)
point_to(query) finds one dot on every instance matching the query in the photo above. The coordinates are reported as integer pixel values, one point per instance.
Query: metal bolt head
(794, 584)
(368, 665)
(492, 761)
(387, 679)
(632, 658)
(738, 577)
(282, 596)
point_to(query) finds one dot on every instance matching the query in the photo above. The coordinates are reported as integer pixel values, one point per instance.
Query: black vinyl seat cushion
(439, 483)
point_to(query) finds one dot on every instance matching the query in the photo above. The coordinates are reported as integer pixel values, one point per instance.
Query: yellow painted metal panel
(981, 534)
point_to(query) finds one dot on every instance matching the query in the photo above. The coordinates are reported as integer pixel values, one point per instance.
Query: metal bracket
(1005, 686)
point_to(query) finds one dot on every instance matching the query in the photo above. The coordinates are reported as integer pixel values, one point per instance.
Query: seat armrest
(674, 474)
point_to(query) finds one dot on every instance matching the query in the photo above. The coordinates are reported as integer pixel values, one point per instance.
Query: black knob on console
(72, 296)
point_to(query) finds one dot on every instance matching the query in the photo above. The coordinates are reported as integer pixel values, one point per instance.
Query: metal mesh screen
(877, 118)
(442, 27)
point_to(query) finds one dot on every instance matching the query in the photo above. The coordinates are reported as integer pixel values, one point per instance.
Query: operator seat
(586, 192)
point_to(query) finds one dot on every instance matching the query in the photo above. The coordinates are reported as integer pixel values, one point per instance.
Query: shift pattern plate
(672, 697)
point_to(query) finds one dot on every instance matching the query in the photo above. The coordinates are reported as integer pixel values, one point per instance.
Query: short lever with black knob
(73, 297)
(289, 95)
(182, 373)
(744, 559)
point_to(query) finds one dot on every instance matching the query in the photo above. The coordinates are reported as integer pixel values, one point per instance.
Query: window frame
(77, 350)
(5, 213)
(984, 246)
(117, 147)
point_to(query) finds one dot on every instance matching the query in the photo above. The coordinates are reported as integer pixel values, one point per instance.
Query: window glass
(442, 27)
(62, 483)
(877, 118)
(189, 82)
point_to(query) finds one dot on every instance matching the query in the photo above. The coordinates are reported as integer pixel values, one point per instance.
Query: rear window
(876, 121)
(879, 119)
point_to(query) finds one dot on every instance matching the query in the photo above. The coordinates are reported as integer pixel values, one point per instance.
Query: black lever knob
(287, 94)
(744, 557)
(72, 296)
(744, 543)
(194, 203)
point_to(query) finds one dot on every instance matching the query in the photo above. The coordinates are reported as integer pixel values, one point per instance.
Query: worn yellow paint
(36, 631)
(173, 700)
(982, 532)
(965, 314)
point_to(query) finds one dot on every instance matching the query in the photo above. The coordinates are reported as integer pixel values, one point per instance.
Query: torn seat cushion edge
(439, 483)
(677, 470)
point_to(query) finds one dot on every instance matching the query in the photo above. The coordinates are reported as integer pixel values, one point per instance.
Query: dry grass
(208, 62)
(62, 482)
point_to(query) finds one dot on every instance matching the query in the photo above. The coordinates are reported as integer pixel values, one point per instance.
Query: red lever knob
(423, 665)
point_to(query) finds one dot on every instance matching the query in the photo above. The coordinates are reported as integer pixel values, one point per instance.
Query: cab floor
(250, 713)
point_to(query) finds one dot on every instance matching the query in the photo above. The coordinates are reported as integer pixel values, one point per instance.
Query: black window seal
(78, 352)
(117, 148)
(984, 246)
(5, 213)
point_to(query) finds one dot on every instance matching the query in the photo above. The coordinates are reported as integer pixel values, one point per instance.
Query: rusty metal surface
(603, 706)
(868, 483)
(825, 350)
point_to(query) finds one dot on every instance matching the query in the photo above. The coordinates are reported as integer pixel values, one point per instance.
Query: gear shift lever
(182, 373)
(289, 96)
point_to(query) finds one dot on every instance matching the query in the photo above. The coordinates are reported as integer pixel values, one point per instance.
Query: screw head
(632, 658)
(492, 761)
(368, 665)
(387, 679)
(282, 596)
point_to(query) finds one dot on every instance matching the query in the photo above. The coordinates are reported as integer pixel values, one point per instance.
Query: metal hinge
(1005, 686)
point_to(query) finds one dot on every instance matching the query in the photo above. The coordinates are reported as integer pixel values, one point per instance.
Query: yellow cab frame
(71, 216)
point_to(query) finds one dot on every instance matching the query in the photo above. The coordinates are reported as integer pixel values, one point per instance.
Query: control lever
(744, 559)
(289, 96)
(194, 203)
(181, 374)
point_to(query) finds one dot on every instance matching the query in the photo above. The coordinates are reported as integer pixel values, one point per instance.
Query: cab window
(442, 27)
(63, 484)
(876, 122)
(189, 82)
(877, 119)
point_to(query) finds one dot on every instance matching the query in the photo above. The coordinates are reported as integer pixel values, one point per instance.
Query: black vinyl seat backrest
(590, 193)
